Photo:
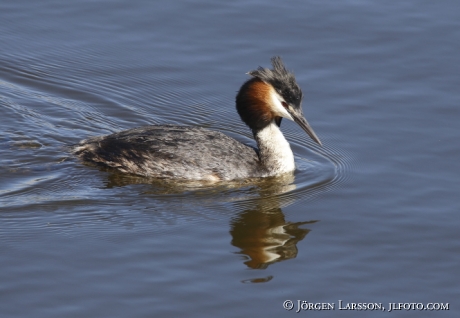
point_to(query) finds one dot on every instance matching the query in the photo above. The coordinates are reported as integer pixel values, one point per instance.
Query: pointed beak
(302, 122)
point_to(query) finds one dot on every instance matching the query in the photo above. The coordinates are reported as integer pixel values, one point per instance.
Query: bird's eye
(285, 105)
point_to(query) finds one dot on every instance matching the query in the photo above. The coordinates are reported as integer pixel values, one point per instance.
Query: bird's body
(179, 152)
(194, 153)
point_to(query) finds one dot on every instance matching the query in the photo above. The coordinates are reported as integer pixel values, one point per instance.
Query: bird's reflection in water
(260, 230)
(265, 237)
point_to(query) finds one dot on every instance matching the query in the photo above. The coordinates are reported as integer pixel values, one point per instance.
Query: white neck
(275, 153)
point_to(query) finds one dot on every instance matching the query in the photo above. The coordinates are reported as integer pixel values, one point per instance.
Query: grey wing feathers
(172, 152)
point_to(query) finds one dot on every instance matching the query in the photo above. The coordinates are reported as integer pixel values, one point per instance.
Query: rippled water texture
(369, 217)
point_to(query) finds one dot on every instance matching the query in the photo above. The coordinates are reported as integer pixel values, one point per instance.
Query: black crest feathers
(281, 79)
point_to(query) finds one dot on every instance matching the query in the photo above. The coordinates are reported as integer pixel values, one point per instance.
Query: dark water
(370, 217)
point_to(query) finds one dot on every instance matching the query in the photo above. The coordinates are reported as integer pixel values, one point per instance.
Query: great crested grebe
(195, 153)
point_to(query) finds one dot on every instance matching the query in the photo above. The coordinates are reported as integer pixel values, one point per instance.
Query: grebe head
(271, 95)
